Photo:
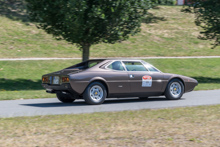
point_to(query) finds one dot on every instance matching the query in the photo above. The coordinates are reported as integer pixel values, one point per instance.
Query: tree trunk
(85, 52)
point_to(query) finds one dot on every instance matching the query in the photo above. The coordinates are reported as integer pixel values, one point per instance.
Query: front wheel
(95, 93)
(174, 90)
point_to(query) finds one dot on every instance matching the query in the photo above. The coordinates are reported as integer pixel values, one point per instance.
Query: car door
(117, 79)
(141, 79)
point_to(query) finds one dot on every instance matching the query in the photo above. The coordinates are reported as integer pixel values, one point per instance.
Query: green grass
(22, 79)
(165, 32)
(195, 126)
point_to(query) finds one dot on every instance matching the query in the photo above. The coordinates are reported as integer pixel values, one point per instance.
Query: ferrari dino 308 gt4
(98, 79)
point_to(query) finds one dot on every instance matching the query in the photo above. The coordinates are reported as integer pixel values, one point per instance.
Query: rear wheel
(174, 90)
(65, 98)
(95, 93)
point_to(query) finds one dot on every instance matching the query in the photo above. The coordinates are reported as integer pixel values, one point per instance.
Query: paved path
(52, 106)
(185, 57)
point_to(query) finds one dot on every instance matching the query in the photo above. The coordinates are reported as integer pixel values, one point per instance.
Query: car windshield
(150, 67)
(85, 65)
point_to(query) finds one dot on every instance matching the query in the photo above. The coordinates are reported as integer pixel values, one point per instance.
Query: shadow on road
(107, 102)
(56, 104)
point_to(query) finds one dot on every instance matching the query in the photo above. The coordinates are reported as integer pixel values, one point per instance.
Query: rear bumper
(66, 87)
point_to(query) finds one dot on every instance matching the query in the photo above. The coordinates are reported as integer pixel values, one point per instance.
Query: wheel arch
(178, 78)
(101, 80)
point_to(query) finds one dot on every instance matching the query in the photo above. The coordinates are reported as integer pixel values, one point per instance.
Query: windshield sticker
(146, 81)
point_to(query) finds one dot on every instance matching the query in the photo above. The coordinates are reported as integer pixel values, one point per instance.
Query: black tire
(99, 95)
(65, 98)
(143, 98)
(169, 94)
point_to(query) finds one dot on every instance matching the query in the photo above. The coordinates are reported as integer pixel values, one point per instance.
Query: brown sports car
(95, 80)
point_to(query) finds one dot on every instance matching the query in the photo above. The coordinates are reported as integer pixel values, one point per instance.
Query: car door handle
(131, 76)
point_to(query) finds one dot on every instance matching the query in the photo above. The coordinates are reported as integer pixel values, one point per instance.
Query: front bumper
(189, 86)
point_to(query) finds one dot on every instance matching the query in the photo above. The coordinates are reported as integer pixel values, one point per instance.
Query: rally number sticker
(146, 81)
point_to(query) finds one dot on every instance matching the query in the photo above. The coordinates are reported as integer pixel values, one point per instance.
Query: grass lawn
(165, 32)
(22, 79)
(195, 126)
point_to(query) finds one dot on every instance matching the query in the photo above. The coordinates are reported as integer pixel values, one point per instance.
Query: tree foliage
(89, 22)
(207, 13)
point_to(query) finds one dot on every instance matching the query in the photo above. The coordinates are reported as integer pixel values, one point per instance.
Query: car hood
(184, 78)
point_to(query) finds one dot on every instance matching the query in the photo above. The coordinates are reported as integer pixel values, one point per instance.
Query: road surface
(51, 106)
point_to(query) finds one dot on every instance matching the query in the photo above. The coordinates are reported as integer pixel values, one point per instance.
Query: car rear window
(85, 65)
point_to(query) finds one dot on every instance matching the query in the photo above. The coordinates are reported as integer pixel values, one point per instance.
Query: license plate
(56, 80)
(49, 90)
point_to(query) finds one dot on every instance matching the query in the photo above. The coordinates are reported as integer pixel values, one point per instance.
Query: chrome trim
(175, 89)
(96, 93)
(123, 65)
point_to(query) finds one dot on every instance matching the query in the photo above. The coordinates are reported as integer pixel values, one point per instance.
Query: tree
(207, 13)
(88, 22)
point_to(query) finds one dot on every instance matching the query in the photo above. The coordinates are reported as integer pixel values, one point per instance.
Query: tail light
(65, 80)
(45, 79)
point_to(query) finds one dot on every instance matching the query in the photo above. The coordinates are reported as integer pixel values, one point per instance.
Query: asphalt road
(51, 106)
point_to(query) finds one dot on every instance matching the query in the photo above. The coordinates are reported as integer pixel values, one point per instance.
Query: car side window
(152, 69)
(117, 65)
(91, 64)
(134, 66)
